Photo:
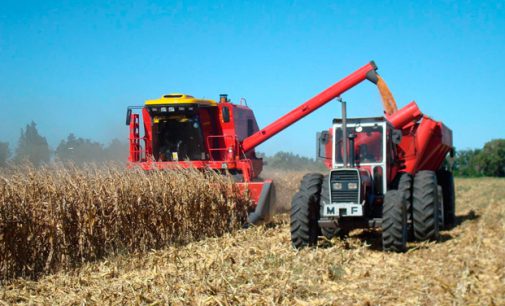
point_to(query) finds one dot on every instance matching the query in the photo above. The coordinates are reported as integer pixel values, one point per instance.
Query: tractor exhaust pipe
(344, 131)
(352, 157)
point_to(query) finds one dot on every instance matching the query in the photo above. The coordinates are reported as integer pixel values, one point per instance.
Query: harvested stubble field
(258, 266)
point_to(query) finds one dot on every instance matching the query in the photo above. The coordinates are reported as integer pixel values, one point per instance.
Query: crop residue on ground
(258, 266)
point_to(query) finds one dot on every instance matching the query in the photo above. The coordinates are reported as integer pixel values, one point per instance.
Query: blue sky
(74, 66)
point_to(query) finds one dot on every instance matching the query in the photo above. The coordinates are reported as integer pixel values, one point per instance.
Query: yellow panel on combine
(177, 98)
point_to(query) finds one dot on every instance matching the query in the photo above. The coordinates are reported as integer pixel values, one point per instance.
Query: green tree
(79, 150)
(491, 160)
(465, 163)
(290, 161)
(32, 146)
(4, 153)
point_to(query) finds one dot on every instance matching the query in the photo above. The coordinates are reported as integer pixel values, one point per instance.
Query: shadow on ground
(373, 238)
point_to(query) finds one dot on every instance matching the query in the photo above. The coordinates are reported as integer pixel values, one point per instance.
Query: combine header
(182, 131)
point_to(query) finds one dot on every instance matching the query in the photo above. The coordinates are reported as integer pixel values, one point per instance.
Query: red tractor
(385, 172)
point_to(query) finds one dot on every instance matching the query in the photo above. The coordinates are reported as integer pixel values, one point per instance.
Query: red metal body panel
(410, 113)
(134, 139)
(424, 144)
(148, 134)
(253, 188)
(329, 150)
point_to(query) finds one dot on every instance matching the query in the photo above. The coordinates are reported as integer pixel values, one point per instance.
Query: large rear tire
(425, 206)
(441, 221)
(404, 186)
(305, 212)
(394, 222)
(446, 180)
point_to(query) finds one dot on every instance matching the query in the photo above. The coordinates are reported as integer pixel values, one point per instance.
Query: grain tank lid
(178, 98)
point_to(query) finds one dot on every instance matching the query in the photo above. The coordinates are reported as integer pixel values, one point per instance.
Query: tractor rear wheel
(394, 222)
(446, 180)
(305, 212)
(425, 206)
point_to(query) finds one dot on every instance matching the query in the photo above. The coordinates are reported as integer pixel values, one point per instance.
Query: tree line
(33, 147)
(488, 161)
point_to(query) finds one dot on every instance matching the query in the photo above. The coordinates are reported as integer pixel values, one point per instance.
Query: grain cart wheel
(404, 186)
(394, 222)
(305, 212)
(446, 180)
(425, 206)
(328, 232)
(441, 223)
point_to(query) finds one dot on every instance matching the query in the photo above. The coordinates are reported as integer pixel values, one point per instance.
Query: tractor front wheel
(305, 212)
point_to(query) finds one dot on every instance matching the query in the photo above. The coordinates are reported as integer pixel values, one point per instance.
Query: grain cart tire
(328, 232)
(404, 186)
(305, 212)
(446, 180)
(425, 206)
(394, 222)
(441, 222)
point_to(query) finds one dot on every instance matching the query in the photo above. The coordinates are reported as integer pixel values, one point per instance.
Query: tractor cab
(358, 159)
(368, 148)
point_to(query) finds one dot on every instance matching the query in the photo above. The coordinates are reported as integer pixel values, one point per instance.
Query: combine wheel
(305, 212)
(446, 180)
(394, 222)
(425, 206)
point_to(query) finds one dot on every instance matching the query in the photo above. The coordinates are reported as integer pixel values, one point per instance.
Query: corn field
(57, 218)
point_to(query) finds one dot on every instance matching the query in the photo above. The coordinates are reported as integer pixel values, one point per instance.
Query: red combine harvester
(182, 131)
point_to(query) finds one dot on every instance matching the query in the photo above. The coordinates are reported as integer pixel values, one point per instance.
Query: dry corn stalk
(59, 217)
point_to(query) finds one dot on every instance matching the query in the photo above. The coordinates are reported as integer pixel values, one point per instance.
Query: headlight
(352, 186)
(337, 186)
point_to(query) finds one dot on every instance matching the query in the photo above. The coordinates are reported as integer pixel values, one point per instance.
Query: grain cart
(385, 172)
(180, 130)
